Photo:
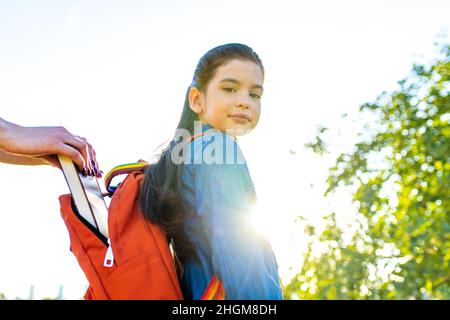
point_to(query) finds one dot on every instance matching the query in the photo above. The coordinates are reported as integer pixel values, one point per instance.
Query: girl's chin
(238, 130)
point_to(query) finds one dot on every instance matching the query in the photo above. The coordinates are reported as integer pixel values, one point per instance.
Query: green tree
(400, 245)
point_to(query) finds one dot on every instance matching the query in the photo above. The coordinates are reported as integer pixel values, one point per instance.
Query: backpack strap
(122, 169)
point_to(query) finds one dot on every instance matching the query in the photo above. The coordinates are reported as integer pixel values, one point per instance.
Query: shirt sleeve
(241, 258)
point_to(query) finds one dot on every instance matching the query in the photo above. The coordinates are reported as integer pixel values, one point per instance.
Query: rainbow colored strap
(214, 290)
(122, 169)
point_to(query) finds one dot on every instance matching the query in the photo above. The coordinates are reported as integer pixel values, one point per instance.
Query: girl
(204, 202)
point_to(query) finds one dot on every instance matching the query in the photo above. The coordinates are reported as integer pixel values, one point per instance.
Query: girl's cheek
(230, 100)
(257, 115)
(257, 109)
(256, 120)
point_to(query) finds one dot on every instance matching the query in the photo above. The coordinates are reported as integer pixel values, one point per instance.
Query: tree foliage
(400, 244)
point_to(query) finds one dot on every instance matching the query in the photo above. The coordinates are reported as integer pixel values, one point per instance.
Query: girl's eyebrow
(238, 82)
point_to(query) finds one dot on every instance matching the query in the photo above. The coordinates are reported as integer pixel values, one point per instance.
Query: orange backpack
(136, 262)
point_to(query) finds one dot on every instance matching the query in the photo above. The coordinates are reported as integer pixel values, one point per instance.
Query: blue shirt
(216, 184)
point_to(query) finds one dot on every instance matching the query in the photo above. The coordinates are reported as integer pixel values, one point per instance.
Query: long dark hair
(160, 200)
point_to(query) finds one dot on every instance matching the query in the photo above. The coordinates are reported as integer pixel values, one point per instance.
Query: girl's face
(232, 101)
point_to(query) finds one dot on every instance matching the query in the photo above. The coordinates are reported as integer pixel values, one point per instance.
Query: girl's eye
(254, 95)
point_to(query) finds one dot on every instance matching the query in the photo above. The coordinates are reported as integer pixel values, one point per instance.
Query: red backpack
(136, 261)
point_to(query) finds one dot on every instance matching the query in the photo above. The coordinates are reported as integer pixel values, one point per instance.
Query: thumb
(51, 160)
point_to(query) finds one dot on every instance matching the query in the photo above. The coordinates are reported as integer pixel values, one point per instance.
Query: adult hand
(43, 143)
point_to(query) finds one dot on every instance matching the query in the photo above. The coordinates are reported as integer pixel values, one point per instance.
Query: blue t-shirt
(216, 184)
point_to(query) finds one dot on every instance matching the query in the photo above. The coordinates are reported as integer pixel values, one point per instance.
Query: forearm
(6, 157)
(10, 158)
(7, 132)
(4, 127)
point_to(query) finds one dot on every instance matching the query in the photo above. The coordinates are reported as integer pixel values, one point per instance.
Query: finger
(81, 146)
(92, 156)
(74, 155)
(52, 160)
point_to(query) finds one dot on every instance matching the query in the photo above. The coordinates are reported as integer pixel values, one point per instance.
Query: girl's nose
(242, 105)
(243, 102)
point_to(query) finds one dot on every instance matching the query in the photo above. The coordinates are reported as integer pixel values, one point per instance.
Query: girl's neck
(206, 126)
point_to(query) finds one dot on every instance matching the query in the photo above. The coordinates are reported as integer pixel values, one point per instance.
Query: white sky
(116, 73)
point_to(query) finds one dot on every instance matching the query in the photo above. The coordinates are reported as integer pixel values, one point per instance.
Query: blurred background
(350, 159)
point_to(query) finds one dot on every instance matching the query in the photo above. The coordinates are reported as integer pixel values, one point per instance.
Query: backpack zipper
(109, 257)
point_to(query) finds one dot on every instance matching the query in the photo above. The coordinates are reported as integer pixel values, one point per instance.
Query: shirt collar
(206, 127)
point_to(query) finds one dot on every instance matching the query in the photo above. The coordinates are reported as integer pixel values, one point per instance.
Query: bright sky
(116, 73)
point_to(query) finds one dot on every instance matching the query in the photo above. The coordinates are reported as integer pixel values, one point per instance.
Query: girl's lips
(240, 116)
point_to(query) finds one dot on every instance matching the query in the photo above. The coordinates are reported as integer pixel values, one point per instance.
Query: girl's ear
(195, 100)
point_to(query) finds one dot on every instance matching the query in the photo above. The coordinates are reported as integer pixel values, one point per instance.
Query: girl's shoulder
(215, 147)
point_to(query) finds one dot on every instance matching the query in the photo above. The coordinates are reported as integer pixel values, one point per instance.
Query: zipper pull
(109, 257)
